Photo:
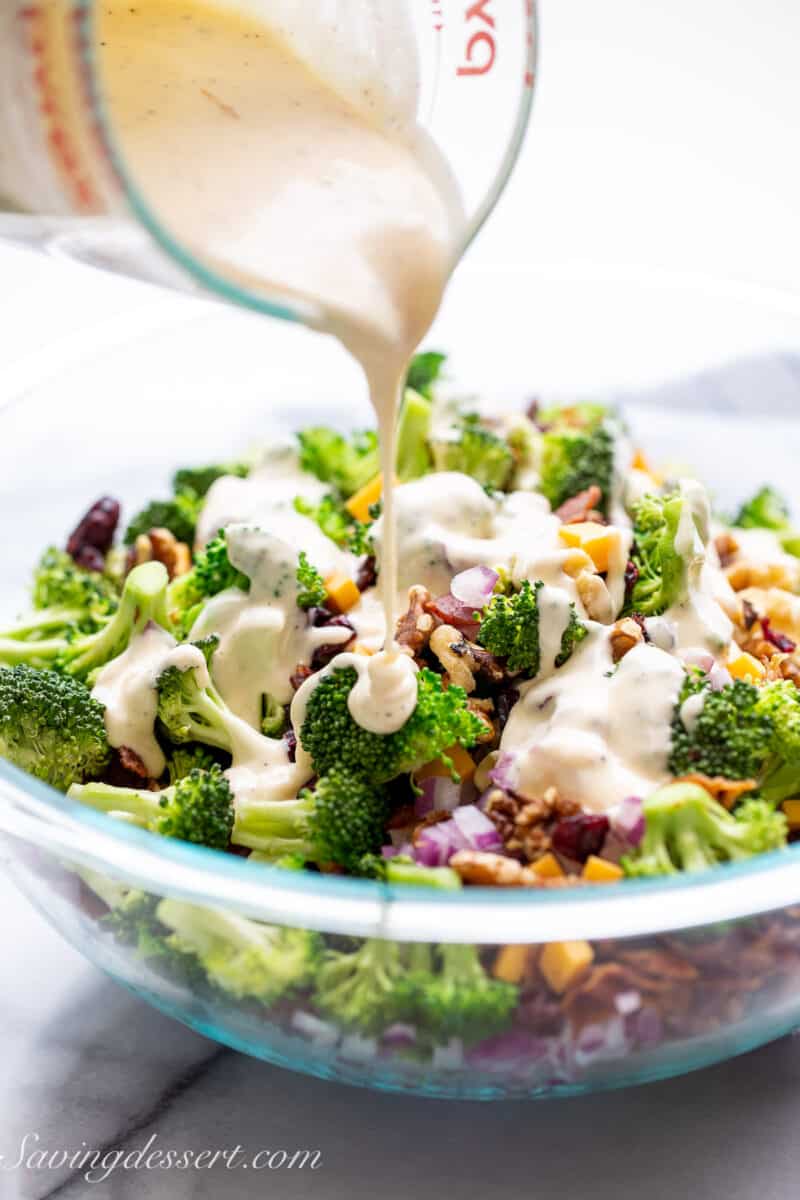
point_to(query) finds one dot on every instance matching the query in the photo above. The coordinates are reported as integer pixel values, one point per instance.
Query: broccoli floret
(663, 572)
(335, 742)
(509, 629)
(475, 451)
(461, 1000)
(59, 583)
(51, 727)
(198, 808)
(331, 516)
(178, 515)
(346, 463)
(190, 713)
(425, 371)
(577, 452)
(768, 509)
(144, 599)
(243, 958)
(365, 989)
(780, 702)
(273, 718)
(687, 830)
(185, 759)
(729, 737)
(413, 431)
(340, 821)
(200, 479)
(211, 574)
(311, 590)
(133, 922)
(403, 870)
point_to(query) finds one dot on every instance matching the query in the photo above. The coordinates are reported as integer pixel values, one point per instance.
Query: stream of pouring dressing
(295, 173)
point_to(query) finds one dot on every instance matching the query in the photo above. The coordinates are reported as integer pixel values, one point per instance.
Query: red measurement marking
(529, 79)
(438, 16)
(480, 51)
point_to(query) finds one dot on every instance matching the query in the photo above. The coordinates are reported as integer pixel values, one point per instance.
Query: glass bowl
(676, 974)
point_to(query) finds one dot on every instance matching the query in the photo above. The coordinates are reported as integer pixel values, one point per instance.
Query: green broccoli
(144, 599)
(190, 713)
(340, 821)
(768, 509)
(311, 592)
(273, 717)
(403, 870)
(51, 727)
(133, 922)
(198, 808)
(687, 830)
(509, 629)
(475, 451)
(178, 515)
(425, 371)
(366, 989)
(211, 574)
(663, 571)
(334, 741)
(729, 737)
(460, 999)
(243, 958)
(183, 760)
(200, 479)
(346, 463)
(59, 583)
(413, 432)
(577, 451)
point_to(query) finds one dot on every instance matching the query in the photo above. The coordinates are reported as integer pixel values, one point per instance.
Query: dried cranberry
(90, 558)
(96, 527)
(300, 675)
(367, 575)
(532, 411)
(579, 836)
(631, 576)
(323, 654)
(319, 616)
(779, 640)
(503, 703)
(290, 737)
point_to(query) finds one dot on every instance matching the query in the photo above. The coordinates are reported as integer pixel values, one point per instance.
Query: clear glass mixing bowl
(683, 972)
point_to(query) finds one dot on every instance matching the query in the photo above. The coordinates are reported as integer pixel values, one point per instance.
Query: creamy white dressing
(700, 621)
(381, 700)
(263, 634)
(554, 617)
(127, 688)
(596, 733)
(691, 710)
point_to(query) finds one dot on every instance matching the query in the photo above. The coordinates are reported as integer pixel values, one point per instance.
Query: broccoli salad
(600, 675)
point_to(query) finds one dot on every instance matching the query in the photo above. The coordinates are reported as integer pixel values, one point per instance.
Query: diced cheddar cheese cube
(744, 666)
(600, 870)
(575, 562)
(343, 594)
(510, 963)
(438, 768)
(548, 867)
(359, 505)
(563, 963)
(791, 810)
(595, 540)
(639, 462)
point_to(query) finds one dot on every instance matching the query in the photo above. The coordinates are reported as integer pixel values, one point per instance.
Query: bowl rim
(33, 812)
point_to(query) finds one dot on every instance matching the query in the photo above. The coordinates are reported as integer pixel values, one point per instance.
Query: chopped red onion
(475, 586)
(719, 678)
(628, 1002)
(500, 773)
(476, 827)
(439, 794)
(696, 657)
(399, 1035)
(629, 821)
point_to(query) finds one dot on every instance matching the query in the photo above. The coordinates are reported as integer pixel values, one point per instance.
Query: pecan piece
(415, 627)
(492, 870)
(746, 574)
(482, 709)
(625, 634)
(725, 791)
(159, 545)
(582, 507)
(727, 548)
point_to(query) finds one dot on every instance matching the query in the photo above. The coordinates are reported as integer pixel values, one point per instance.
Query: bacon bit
(449, 611)
(725, 791)
(582, 507)
(779, 640)
(128, 770)
(228, 109)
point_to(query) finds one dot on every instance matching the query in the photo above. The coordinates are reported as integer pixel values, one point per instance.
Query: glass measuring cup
(65, 185)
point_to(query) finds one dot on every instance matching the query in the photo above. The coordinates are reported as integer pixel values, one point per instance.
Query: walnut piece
(415, 627)
(159, 545)
(525, 825)
(626, 634)
(451, 649)
(727, 548)
(492, 870)
(746, 574)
